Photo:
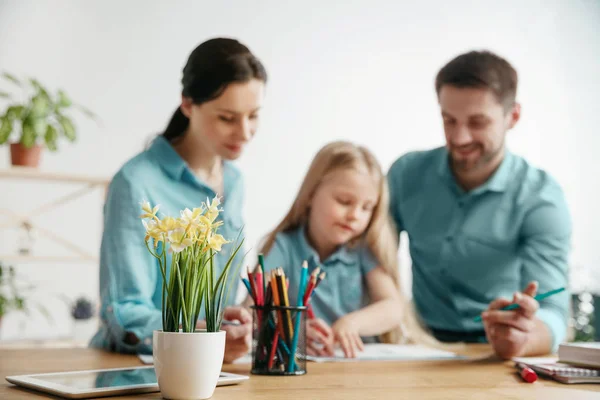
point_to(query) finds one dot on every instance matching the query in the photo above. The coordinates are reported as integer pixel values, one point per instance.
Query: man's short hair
(481, 69)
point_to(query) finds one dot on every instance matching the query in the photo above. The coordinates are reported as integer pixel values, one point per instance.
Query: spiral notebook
(561, 372)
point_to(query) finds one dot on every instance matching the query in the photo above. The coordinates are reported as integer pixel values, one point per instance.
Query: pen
(513, 306)
(526, 373)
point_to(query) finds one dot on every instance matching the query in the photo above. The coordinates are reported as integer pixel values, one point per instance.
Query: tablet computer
(102, 382)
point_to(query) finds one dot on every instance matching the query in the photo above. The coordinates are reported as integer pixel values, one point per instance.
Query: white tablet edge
(31, 382)
(229, 378)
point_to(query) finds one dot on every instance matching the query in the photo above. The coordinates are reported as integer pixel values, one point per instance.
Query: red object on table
(527, 373)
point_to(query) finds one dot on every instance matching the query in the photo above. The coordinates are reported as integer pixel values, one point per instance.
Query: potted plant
(188, 360)
(10, 299)
(12, 293)
(34, 119)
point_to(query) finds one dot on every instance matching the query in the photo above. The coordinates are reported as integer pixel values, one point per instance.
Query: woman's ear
(186, 106)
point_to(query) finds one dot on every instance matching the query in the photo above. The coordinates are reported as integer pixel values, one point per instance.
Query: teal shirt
(344, 288)
(468, 248)
(130, 279)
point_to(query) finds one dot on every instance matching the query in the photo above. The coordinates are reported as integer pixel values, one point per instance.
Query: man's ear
(186, 106)
(514, 115)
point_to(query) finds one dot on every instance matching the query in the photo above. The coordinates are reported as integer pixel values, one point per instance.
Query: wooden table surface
(481, 377)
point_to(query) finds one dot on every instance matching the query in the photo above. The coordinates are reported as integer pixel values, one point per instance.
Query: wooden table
(478, 378)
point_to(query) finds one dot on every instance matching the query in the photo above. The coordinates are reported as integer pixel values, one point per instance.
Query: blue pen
(301, 288)
(513, 306)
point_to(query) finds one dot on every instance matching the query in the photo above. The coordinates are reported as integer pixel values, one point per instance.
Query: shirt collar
(167, 157)
(500, 179)
(498, 182)
(342, 254)
(443, 164)
(176, 167)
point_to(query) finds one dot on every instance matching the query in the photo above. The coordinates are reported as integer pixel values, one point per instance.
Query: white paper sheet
(148, 359)
(391, 352)
(535, 360)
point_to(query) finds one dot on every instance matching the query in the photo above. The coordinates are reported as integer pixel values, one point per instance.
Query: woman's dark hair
(212, 66)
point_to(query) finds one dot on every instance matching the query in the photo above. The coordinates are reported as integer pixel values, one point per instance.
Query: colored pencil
(514, 306)
(273, 349)
(299, 303)
(260, 286)
(276, 302)
(261, 262)
(284, 301)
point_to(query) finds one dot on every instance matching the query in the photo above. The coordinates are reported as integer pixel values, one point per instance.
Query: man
(482, 222)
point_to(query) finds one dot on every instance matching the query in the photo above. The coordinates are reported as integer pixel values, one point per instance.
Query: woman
(223, 89)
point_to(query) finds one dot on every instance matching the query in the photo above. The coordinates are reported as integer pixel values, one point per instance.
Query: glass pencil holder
(278, 340)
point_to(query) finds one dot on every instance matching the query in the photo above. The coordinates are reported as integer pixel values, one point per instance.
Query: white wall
(358, 70)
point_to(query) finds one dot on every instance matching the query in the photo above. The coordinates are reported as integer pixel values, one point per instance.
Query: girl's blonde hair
(379, 236)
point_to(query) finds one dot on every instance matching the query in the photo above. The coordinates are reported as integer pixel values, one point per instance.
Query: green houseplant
(13, 294)
(34, 117)
(187, 360)
(10, 297)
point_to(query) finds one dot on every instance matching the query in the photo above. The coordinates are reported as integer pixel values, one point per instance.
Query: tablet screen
(104, 379)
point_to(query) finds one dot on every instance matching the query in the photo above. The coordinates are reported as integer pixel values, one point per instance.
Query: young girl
(339, 222)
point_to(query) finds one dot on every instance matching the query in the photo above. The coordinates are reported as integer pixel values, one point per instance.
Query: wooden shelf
(59, 342)
(41, 175)
(84, 184)
(15, 258)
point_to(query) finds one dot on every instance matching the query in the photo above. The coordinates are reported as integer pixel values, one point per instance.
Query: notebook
(148, 359)
(391, 352)
(584, 354)
(559, 371)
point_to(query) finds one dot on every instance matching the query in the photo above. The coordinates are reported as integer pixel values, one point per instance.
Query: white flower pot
(84, 329)
(188, 364)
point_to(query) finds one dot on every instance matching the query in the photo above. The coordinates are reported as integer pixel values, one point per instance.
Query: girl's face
(226, 124)
(342, 206)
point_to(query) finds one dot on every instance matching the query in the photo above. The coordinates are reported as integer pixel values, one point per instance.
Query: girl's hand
(319, 338)
(346, 334)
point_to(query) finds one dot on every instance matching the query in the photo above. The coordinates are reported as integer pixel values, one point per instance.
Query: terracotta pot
(22, 156)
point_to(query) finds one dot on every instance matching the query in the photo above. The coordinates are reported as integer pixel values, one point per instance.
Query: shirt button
(109, 309)
(449, 238)
(148, 341)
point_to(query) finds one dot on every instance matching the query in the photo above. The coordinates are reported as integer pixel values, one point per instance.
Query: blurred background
(355, 70)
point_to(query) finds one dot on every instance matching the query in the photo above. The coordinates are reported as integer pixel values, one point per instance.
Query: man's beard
(465, 165)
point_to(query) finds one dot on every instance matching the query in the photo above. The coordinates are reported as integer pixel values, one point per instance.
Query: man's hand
(239, 337)
(510, 331)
